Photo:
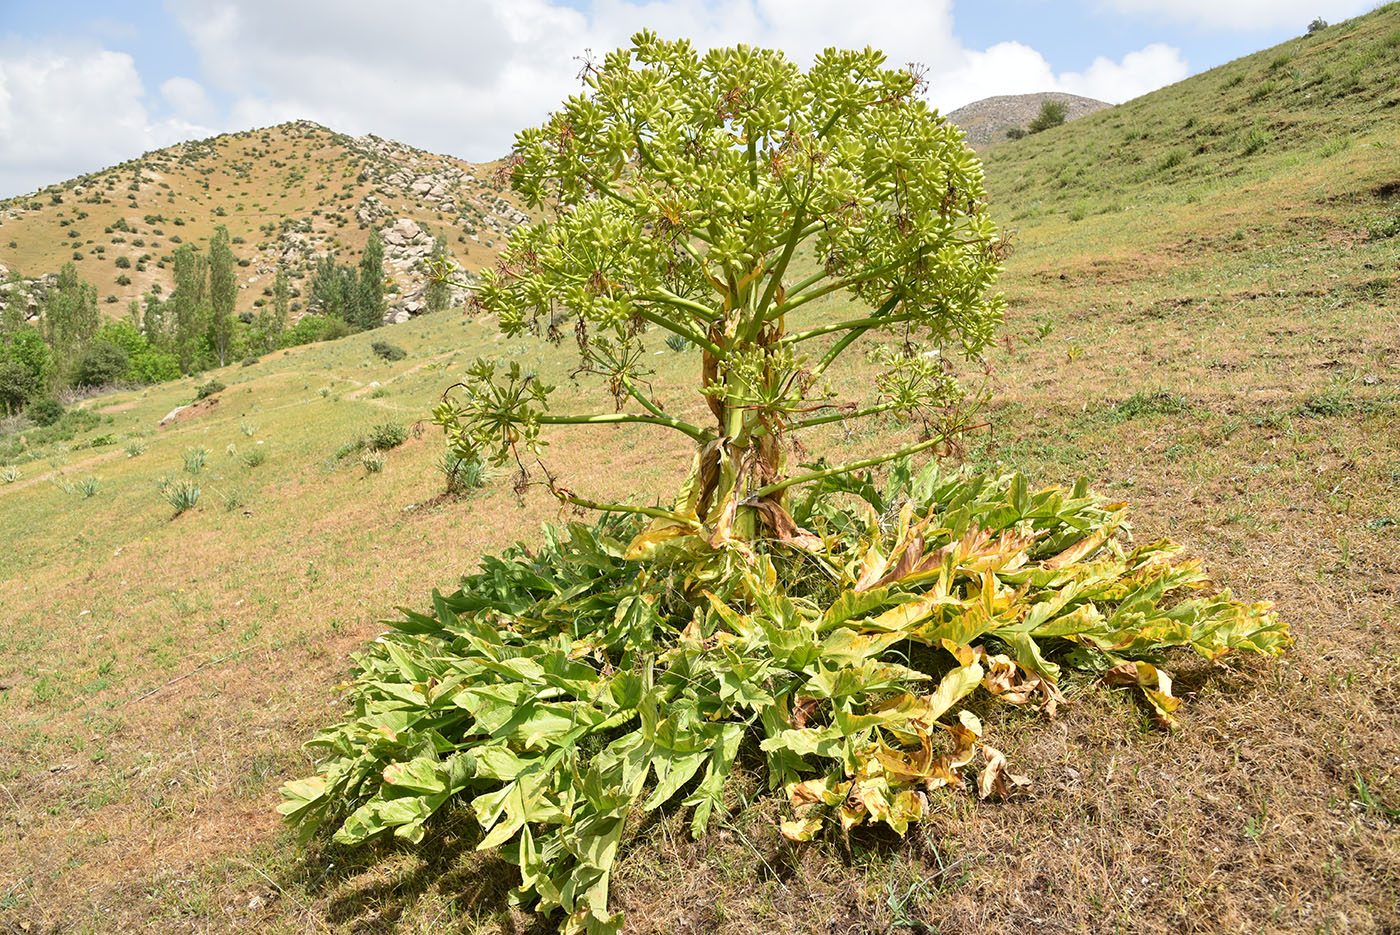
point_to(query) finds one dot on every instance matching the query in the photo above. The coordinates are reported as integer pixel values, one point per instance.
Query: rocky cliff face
(985, 122)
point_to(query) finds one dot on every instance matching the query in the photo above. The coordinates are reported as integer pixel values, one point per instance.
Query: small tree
(101, 363)
(190, 308)
(718, 198)
(223, 293)
(369, 298)
(1052, 114)
(438, 292)
(69, 319)
(1317, 26)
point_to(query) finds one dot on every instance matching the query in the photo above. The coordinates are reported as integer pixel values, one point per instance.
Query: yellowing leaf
(994, 780)
(1155, 683)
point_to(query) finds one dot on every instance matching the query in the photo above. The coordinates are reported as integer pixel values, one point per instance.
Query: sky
(86, 84)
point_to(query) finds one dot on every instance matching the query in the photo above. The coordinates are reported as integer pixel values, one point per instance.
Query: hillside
(1202, 292)
(287, 194)
(985, 122)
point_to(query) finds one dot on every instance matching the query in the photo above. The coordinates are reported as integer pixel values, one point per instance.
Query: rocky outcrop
(986, 122)
(407, 247)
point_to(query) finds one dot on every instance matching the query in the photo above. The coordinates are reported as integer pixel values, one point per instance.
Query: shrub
(1317, 26)
(181, 494)
(1174, 157)
(386, 435)
(100, 364)
(566, 690)
(249, 361)
(388, 351)
(1385, 225)
(208, 389)
(462, 475)
(122, 262)
(45, 411)
(1015, 133)
(1052, 114)
(1255, 140)
(254, 457)
(194, 459)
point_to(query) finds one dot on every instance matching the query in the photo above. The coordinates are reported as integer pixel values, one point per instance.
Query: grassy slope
(1215, 341)
(294, 172)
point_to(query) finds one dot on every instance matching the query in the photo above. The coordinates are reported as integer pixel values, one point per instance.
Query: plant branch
(797, 337)
(694, 337)
(850, 466)
(622, 418)
(567, 496)
(840, 417)
(641, 398)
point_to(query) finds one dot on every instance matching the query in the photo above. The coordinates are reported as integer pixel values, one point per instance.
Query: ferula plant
(833, 628)
(716, 199)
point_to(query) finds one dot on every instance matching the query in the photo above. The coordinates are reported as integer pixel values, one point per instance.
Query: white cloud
(460, 78)
(1013, 68)
(1243, 14)
(72, 109)
(187, 99)
(1147, 69)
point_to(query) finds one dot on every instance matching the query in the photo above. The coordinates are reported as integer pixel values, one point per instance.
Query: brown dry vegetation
(1224, 354)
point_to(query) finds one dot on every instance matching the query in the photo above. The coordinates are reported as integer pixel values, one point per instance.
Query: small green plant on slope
(836, 623)
(386, 435)
(463, 475)
(182, 493)
(206, 390)
(1052, 114)
(386, 351)
(194, 459)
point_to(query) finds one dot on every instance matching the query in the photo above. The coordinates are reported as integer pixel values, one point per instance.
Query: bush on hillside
(386, 435)
(387, 351)
(209, 389)
(44, 412)
(828, 622)
(1317, 26)
(565, 690)
(101, 363)
(1052, 114)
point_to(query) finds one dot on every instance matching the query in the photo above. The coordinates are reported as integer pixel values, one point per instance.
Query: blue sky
(85, 84)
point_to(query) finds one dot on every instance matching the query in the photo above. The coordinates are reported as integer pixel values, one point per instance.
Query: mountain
(288, 194)
(985, 122)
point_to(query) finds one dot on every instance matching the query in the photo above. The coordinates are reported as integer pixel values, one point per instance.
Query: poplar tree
(69, 319)
(438, 291)
(223, 293)
(369, 297)
(190, 303)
